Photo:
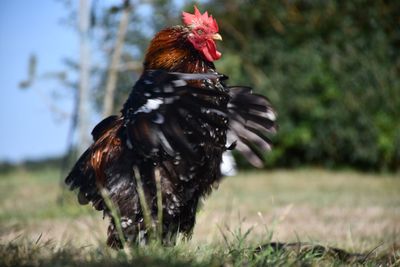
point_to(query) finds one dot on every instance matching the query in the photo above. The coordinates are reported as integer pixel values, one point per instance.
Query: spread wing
(165, 108)
(157, 110)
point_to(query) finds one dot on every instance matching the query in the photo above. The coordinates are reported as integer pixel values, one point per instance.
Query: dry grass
(345, 209)
(354, 211)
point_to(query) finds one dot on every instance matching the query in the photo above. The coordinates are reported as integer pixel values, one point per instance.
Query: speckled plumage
(175, 124)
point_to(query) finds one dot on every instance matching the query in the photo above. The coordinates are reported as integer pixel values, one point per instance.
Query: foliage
(331, 68)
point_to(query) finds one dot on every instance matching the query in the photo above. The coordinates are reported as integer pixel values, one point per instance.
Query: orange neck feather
(171, 51)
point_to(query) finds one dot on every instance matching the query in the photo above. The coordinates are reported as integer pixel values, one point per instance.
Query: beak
(217, 36)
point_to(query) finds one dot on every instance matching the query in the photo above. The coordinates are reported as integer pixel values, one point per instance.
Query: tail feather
(103, 126)
(107, 167)
(88, 174)
(82, 177)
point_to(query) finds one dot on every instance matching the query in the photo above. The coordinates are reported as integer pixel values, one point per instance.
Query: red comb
(198, 19)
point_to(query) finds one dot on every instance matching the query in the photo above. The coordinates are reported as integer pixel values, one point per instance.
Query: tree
(83, 108)
(108, 103)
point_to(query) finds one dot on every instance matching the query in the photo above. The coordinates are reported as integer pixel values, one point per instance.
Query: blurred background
(331, 69)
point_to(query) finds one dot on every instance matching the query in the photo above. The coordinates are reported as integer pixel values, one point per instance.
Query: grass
(349, 210)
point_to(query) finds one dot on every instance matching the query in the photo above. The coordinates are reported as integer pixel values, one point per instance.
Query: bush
(331, 69)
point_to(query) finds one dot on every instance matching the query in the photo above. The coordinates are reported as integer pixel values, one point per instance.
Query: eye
(200, 32)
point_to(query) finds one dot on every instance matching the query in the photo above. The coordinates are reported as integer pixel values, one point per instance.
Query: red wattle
(210, 51)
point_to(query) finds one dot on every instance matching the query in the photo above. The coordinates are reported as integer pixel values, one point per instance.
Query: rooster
(162, 154)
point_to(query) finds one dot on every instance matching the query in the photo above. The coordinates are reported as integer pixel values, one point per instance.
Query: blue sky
(28, 128)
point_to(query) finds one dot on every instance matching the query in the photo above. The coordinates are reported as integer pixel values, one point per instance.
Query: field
(42, 225)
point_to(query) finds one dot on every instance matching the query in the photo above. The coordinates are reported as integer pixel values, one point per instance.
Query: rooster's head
(203, 33)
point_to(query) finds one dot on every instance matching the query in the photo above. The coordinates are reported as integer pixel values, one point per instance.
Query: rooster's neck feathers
(171, 51)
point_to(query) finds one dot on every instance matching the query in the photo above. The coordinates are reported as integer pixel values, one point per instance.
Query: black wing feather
(171, 96)
(251, 118)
